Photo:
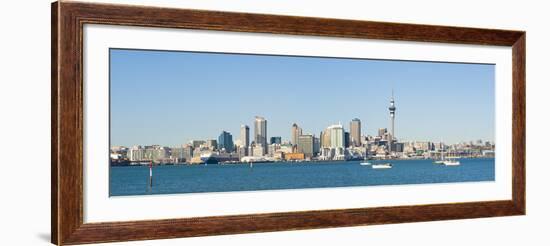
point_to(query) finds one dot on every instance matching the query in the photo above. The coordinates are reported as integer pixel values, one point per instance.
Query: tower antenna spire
(392, 109)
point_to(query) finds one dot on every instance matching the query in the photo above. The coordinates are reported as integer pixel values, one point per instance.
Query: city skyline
(197, 110)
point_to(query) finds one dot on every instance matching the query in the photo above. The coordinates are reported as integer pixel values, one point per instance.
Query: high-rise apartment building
(260, 132)
(295, 131)
(337, 139)
(245, 136)
(225, 141)
(305, 145)
(355, 132)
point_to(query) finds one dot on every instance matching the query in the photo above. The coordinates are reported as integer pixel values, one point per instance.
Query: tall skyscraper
(355, 132)
(295, 131)
(260, 132)
(336, 136)
(225, 141)
(245, 136)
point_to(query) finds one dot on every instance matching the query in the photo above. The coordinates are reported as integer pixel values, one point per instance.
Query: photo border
(68, 19)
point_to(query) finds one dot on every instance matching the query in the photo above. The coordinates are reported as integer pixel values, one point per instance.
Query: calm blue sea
(133, 180)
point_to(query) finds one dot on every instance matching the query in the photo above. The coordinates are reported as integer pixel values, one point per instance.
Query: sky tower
(392, 118)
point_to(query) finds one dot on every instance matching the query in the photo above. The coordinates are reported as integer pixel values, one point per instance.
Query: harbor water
(134, 180)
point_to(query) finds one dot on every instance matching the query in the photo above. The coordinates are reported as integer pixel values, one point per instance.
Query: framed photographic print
(177, 123)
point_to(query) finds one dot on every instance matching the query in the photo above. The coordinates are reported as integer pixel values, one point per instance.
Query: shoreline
(291, 162)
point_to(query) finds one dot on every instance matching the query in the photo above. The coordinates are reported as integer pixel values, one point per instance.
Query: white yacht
(451, 161)
(382, 166)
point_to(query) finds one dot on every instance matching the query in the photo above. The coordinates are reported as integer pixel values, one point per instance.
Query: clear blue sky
(169, 98)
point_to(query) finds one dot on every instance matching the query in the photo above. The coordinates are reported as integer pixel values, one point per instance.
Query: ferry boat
(209, 158)
(382, 166)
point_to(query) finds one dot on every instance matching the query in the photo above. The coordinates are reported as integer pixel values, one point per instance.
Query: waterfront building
(136, 153)
(408, 148)
(187, 152)
(397, 147)
(339, 154)
(196, 152)
(294, 156)
(382, 132)
(295, 131)
(119, 150)
(355, 132)
(326, 154)
(225, 142)
(272, 148)
(237, 143)
(275, 140)
(286, 148)
(381, 152)
(176, 154)
(258, 150)
(305, 145)
(365, 140)
(260, 133)
(242, 151)
(278, 155)
(156, 153)
(336, 133)
(245, 136)
(197, 143)
(346, 139)
(439, 146)
(422, 146)
(316, 145)
(325, 139)
(212, 144)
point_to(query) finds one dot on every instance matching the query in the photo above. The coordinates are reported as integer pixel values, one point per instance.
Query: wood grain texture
(518, 123)
(54, 126)
(68, 19)
(146, 230)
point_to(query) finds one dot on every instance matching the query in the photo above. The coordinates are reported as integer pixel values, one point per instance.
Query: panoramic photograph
(195, 122)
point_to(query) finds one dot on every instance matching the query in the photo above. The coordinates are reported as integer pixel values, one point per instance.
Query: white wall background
(25, 122)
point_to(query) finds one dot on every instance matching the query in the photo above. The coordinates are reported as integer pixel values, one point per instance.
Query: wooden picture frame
(68, 19)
